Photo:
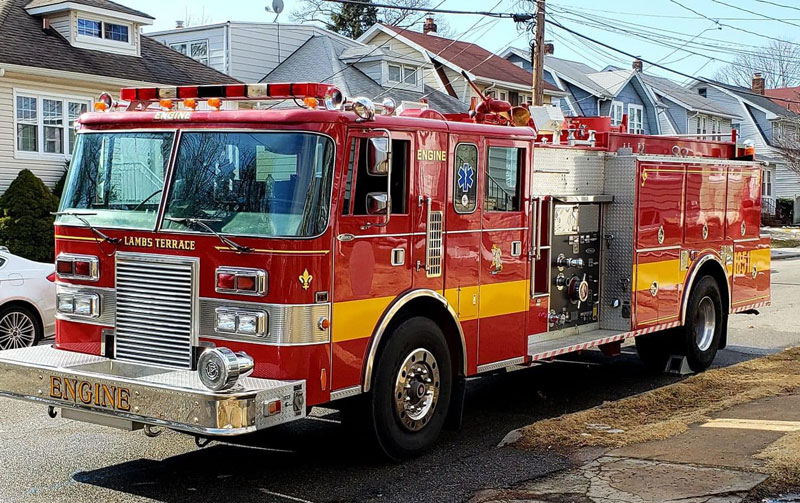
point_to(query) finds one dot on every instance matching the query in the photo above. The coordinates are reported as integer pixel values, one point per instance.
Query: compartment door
(660, 205)
(706, 187)
(659, 286)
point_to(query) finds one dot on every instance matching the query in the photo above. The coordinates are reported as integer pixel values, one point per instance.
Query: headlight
(241, 322)
(220, 368)
(79, 304)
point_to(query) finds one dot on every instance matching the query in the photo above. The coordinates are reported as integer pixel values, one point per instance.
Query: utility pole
(537, 55)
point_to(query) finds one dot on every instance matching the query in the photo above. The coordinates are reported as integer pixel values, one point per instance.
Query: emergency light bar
(277, 91)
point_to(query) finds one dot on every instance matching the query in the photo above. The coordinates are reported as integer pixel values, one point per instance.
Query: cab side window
(465, 178)
(360, 182)
(504, 179)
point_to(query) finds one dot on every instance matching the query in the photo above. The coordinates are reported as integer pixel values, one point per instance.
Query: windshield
(116, 179)
(253, 184)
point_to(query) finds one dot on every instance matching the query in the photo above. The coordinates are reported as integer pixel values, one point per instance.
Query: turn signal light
(241, 280)
(190, 103)
(85, 267)
(215, 103)
(165, 104)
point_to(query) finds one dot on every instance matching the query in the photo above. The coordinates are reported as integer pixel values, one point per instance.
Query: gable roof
(747, 95)
(306, 65)
(25, 43)
(612, 81)
(685, 97)
(469, 57)
(99, 4)
(577, 74)
(786, 93)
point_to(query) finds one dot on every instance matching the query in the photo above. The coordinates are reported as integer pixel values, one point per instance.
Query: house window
(766, 183)
(635, 119)
(27, 124)
(503, 179)
(404, 74)
(89, 28)
(117, 32)
(555, 102)
(197, 50)
(101, 29)
(503, 96)
(702, 91)
(46, 124)
(617, 111)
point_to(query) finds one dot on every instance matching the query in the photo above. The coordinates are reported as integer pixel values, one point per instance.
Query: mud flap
(455, 416)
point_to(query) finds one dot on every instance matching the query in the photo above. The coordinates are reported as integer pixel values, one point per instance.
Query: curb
(785, 256)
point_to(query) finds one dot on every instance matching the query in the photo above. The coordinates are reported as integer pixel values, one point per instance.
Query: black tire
(19, 327)
(705, 320)
(655, 349)
(398, 435)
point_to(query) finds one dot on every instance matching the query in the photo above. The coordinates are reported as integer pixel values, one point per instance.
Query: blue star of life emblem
(466, 177)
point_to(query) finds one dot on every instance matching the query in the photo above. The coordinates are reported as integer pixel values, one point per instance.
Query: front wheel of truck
(412, 388)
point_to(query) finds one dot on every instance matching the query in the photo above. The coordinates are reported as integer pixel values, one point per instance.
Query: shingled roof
(470, 57)
(100, 4)
(25, 43)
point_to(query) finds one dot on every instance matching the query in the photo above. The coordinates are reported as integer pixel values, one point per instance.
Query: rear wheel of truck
(701, 335)
(412, 388)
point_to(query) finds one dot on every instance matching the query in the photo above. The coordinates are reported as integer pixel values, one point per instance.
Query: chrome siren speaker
(221, 368)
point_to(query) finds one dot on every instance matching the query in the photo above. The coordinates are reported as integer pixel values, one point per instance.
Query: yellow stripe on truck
(497, 299)
(355, 319)
(664, 272)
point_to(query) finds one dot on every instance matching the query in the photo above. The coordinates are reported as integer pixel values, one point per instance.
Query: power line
(517, 17)
(751, 32)
(677, 72)
(663, 16)
(756, 13)
(778, 5)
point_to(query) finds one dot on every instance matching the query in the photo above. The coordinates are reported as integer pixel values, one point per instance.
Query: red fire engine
(222, 271)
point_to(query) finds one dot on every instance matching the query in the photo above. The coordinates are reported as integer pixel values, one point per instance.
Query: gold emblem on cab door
(305, 279)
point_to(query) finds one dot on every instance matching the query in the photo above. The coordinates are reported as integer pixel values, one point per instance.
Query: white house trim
(59, 7)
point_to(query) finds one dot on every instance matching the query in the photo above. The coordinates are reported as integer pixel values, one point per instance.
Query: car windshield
(116, 179)
(252, 184)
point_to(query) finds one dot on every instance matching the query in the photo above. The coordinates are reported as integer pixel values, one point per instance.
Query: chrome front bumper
(144, 394)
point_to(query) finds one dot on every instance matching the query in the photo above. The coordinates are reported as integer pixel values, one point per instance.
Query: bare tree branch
(778, 62)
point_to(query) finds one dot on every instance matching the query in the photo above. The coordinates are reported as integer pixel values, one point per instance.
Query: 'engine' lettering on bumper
(89, 393)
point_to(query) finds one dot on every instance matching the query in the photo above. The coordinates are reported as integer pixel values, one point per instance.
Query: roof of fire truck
(323, 103)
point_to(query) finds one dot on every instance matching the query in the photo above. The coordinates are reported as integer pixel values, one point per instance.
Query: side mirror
(378, 156)
(377, 203)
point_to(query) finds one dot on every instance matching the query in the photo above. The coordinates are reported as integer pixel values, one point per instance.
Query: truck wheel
(702, 333)
(655, 349)
(411, 388)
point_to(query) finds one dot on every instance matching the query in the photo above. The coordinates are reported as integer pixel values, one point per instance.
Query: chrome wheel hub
(705, 323)
(416, 390)
(17, 330)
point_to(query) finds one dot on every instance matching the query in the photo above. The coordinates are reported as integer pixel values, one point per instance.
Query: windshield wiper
(202, 223)
(79, 215)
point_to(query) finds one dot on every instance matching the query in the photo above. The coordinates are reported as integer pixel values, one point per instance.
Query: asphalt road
(319, 460)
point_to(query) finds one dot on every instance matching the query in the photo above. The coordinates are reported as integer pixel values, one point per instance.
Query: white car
(27, 301)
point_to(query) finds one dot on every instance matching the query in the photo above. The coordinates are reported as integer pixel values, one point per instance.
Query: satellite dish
(277, 6)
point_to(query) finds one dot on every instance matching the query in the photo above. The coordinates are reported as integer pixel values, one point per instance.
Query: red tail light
(64, 266)
(246, 283)
(226, 281)
(51, 277)
(84, 267)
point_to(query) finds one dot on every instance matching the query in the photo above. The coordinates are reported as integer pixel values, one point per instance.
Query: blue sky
(650, 18)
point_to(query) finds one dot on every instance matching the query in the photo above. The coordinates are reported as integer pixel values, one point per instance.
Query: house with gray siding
(245, 51)
(763, 122)
(56, 57)
(588, 92)
(372, 71)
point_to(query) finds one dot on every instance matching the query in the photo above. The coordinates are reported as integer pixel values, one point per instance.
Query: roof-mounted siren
(549, 120)
(493, 111)
(104, 102)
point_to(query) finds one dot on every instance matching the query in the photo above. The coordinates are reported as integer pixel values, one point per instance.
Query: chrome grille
(433, 249)
(155, 309)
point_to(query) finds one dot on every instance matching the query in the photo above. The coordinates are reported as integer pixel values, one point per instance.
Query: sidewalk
(742, 453)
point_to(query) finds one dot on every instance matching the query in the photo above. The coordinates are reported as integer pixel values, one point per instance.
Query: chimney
(638, 65)
(758, 83)
(429, 26)
(549, 48)
(178, 24)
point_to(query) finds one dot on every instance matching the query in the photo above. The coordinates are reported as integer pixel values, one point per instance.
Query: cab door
(371, 256)
(504, 292)
(429, 195)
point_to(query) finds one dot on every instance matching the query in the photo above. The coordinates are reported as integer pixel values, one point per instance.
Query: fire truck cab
(222, 271)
